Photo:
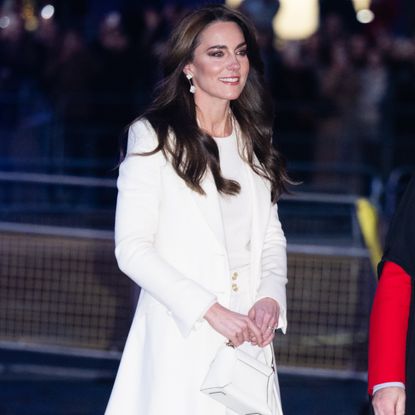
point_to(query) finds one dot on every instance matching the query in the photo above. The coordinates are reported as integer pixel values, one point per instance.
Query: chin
(232, 95)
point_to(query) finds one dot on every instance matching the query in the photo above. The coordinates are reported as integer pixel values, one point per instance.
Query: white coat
(170, 241)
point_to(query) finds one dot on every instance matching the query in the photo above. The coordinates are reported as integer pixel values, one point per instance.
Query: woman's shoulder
(141, 136)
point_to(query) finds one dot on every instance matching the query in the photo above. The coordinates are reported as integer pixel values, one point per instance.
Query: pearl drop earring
(192, 89)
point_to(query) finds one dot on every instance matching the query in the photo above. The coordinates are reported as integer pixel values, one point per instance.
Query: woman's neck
(215, 120)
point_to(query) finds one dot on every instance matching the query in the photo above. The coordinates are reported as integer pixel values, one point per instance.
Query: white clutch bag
(242, 383)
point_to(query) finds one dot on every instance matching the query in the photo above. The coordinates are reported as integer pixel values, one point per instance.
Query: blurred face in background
(220, 64)
(111, 33)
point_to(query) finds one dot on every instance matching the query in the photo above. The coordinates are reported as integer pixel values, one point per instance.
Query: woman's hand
(265, 314)
(236, 327)
(389, 401)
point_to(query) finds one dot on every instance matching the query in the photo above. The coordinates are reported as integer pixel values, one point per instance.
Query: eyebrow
(225, 47)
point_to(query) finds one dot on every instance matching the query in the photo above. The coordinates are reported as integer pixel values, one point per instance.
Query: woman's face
(220, 65)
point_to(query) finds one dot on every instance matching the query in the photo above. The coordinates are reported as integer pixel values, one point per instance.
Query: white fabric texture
(170, 240)
(236, 209)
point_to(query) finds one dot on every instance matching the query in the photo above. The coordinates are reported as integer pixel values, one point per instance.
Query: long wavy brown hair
(192, 151)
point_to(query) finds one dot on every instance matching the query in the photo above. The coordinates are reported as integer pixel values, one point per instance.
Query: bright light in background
(296, 19)
(4, 22)
(365, 16)
(363, 12)
(234, 3)
(28, 13)
(47, 12)
(361, 4)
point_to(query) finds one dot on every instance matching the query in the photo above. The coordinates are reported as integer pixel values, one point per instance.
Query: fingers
(244, 330)
(268, 325)
(259, 319)
(268, 337)
(255, 333)
(268, 340)
(267, 328)
(265, 320)
(266, 314)
(233, 326)
(257, 327)
(245, 334)
(240, 335)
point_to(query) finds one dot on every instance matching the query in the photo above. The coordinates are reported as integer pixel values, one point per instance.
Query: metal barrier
(329, 297)
(337, 178)
(61, 291)
(62, 287)
(57, 200)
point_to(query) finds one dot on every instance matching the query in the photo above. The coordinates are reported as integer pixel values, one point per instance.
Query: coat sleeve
(136, 222)
(274, 266)
(389, 326)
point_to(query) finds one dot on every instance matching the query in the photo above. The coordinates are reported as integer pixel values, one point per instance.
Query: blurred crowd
(341, 96)
(350, 92)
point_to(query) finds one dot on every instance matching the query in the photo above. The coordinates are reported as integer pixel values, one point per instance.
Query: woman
(195, 225)
(392, 324)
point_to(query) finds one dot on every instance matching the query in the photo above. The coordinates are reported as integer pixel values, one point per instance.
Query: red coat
(388, 327)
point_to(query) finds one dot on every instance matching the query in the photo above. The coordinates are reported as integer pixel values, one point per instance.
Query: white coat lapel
(261, 203)
(260, 191)
(210, 208)
(260, 212)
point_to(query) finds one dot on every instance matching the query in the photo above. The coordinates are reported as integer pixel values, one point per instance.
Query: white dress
(237, 221)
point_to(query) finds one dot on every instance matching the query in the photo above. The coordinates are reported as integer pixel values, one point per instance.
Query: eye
(242, 52)
(216, 54)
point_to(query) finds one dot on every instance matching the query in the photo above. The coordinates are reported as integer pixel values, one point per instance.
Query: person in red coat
(392, 326)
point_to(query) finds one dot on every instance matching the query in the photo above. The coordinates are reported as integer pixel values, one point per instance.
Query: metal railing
(61, 290)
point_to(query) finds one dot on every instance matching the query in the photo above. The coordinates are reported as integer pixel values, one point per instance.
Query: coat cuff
(188, 315)
(388, 385)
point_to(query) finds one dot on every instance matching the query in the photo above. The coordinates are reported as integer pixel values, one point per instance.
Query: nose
(234, 63)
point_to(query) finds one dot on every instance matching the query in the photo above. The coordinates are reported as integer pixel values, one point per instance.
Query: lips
(231, 80)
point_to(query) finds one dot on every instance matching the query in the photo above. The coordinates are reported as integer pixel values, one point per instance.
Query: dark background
(344, 98)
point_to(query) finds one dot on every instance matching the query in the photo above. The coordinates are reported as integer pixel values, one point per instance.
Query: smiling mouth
(231, 80)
